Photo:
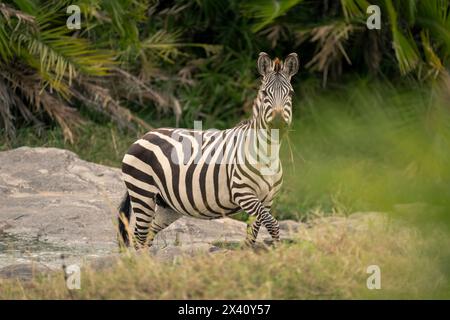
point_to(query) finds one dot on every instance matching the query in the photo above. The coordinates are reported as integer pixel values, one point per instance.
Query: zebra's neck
(261, 130)
(257, 106)
(262, 144)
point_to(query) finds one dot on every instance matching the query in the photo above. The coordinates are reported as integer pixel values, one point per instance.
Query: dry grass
(329, 261)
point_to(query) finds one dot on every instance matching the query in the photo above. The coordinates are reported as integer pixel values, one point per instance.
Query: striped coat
(212, 173)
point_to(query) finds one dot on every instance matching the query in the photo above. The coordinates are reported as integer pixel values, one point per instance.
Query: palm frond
(434, 64)
(27, 85)
(9, 12)
(354, 8)
(411, 11)
(27, 6)
(435, 17)
(67, 117)
(405, 48)
(100, 99)
(330, 47)
(6, 106)
(10, 23)
(265, 12)
(64, 55)
(5, 50)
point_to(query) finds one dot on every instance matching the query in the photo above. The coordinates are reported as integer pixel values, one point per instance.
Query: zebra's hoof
(260, 247)
(271, 243)
(248, 244)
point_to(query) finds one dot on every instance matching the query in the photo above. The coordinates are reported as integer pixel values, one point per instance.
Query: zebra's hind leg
(163, 218)
(143, 212)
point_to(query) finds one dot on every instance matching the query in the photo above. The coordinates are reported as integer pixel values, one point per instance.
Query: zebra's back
(186, 170)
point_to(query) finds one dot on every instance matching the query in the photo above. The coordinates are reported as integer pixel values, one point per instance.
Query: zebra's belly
(200, 191)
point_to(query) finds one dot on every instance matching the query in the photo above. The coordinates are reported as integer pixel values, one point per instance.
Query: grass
(326, 262)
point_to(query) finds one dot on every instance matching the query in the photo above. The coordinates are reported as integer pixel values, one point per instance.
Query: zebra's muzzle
(278, 121)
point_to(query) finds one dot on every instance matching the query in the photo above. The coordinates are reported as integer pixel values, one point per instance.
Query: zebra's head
(276, 90)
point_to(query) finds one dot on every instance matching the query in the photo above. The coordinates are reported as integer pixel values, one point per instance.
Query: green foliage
(405, 48)
(195, 60)
(265, 13)
(103, 144)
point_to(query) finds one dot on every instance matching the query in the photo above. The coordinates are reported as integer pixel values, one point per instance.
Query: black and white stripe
(213, 173)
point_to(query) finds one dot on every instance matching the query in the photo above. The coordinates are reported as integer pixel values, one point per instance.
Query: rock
(4, 225)
(50, 195)
(291, 226)
(336, 226)
(23, 271)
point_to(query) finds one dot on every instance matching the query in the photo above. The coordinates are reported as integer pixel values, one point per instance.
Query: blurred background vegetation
(371, 129)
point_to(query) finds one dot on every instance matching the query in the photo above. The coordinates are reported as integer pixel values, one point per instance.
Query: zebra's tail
(124, 221)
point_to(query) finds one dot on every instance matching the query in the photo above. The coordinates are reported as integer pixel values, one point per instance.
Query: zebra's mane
(243, 122)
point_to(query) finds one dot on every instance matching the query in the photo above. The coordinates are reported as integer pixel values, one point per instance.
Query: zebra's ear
(291, 63)
(264, 63)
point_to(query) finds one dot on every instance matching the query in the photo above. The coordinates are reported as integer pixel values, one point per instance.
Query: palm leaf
(405, 48)
(165, 45)
(5, 50)
(435, 17)
(330, 48)
(265, 12)
(433, 62)
(27, 6)
(354, 8)
(6, 106)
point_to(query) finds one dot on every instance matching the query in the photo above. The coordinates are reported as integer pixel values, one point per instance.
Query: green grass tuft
(325, 262)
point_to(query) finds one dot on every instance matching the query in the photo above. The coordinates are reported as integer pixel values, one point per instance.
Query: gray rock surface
(53, 204)
(51, 195)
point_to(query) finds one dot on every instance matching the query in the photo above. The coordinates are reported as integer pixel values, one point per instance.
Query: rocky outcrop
(51, 195)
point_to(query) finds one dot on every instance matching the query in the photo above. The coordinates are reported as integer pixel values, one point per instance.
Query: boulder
(51, 195)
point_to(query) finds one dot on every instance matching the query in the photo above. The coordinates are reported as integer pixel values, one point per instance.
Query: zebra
(171, 172)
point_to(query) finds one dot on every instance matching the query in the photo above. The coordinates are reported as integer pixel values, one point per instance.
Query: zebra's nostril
(278, 119)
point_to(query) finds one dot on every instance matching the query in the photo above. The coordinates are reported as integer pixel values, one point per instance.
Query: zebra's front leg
(254, 207)
(271, 225)
(252, 232)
